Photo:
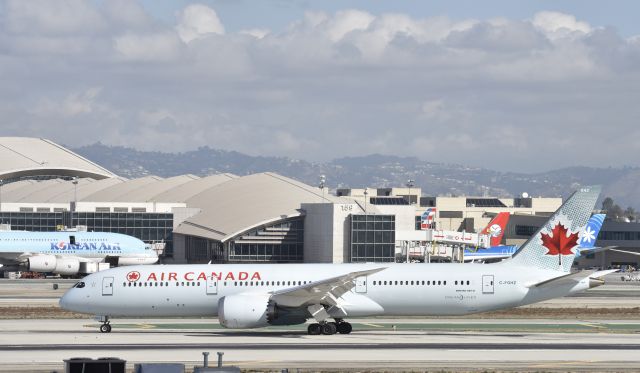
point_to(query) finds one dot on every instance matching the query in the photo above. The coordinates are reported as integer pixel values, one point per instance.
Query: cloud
(197, 21)
(512, 94)
(152, 47)
(559, 25)
(40, 17)
(74, 104)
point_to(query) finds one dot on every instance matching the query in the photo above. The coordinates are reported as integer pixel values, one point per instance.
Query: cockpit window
(79, 285)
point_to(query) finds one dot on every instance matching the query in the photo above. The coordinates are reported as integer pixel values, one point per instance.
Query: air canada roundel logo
(133, 276)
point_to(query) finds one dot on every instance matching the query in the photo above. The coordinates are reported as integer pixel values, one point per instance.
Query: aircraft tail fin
(590, 233)
(496, 227)
(554, 245)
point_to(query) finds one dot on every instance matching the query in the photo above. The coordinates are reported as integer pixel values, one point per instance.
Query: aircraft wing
(14, 258)
(325, 292)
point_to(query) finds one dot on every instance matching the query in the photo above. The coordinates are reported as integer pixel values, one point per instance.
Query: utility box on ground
(100, 365)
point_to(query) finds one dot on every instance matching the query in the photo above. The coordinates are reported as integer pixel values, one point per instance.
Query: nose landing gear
(106, 324)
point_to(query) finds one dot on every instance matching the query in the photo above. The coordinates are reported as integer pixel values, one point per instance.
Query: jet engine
(41, 263)
(242, 311)
(67, 266)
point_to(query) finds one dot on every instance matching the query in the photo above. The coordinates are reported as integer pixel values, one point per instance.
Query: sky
(507, 85)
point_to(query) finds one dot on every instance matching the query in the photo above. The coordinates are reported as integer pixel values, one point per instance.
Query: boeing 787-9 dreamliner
(254, 296)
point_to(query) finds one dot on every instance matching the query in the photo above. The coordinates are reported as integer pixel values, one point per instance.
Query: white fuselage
(399, 289)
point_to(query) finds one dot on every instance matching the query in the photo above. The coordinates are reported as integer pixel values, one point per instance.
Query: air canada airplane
(254, 296)
(65, 252)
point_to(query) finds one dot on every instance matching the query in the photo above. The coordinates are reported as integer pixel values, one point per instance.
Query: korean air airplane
(254, 296)
(63, 252)
(586, 244)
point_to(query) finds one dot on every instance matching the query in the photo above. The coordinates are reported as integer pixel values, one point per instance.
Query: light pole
(410, 184)
(365, 200)
(1, 181)
(323, 180)
(75, 197)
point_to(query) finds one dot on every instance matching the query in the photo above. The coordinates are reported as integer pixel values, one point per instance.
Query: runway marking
(372, 325)
(255, 363)
(564, 363)
(147, 326)
(596, 325)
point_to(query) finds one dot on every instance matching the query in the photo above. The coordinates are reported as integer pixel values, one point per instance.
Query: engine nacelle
(244, 311)
(256, 311)
(67, 266)
(41, 263)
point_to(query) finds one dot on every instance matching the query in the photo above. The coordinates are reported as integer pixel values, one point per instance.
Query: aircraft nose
(69, 301)
(64, 301)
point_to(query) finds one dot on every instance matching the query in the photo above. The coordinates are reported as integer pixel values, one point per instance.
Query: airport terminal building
(258, 218)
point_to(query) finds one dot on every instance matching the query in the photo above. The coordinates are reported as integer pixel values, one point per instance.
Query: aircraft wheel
(344, 328)
(314, 329)
(105, 328)
(329, 328)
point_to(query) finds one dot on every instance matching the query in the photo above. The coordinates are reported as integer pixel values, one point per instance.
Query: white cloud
(161, 46)
(197, 21)
(72, 105)
(346, 21)
(559, 25)
(46, 17)
(329, 85)
(255, 32)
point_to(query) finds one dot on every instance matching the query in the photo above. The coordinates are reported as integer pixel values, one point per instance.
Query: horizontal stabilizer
(574, 277)
(626, 252)
(564, 279)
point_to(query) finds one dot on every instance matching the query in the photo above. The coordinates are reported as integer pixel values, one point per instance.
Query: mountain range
(621, 184)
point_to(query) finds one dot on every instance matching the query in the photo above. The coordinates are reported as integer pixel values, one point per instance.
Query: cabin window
(467, 282)
(124, 284)
(198, 283)
(438, 282)
(129, 284)
(456, 282)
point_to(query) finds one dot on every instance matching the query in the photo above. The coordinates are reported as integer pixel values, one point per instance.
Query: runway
(450, 344)
(604, 341)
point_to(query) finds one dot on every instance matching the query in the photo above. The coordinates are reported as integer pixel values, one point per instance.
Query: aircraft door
(107, 286)
(212, 285)
(487, 284)
(361, 284)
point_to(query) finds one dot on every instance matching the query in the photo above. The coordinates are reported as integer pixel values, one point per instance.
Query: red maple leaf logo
(133, 276)
(561, 243)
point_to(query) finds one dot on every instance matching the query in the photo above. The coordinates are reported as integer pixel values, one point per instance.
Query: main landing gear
(106, 324)
(329, 328)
